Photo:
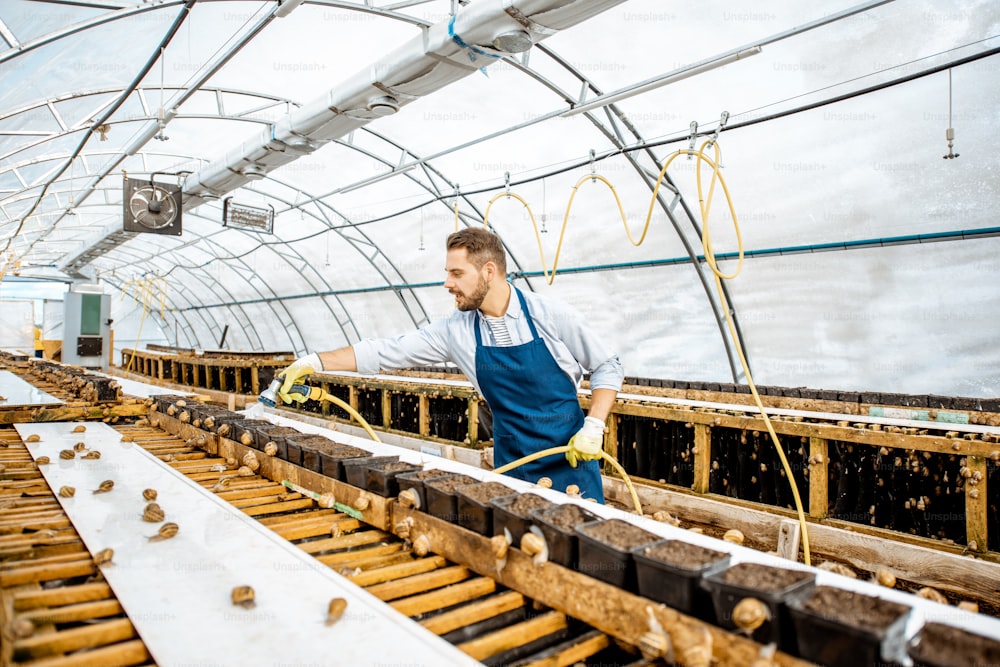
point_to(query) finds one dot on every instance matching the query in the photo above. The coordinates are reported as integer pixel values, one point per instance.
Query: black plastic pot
(727, 592)
(940, 645)
(279, 435)
(475, 514)
(606, 561)
(670, 571)
(355, 469)
(558, 525)
(415, 480)
(382, 480)
(442, 500)
(831, 629)
(506, 514)
(244, 431)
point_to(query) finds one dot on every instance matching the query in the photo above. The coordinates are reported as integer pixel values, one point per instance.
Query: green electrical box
(90, 315)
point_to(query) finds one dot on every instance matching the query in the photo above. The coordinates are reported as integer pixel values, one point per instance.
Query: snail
(67, 454)
(153, 513)
(572, 490)
(41, 460)
(105, 486)
(34, 437)
(246, 439)
(932, 594)
(223, 430)
(184, 417)
(271, 449)
(749, 614)
(966, 605)
(734, 535)
(837, 568)
(208, 423)
(80, 446)
(250, 461)
(171, 410)
(67, 491)
(243, 596)
(885, 578)
(104, 556)
(22, 628)
(166, 531)
(79, 428)
(545, 483)
(245, 471)
(149, 494)
(181, 403)
(92, 455)
(336, 609)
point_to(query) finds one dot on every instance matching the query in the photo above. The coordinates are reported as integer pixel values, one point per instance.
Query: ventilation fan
(152, 207)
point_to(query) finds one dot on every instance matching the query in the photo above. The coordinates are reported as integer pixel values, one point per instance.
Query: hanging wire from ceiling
(706, 131)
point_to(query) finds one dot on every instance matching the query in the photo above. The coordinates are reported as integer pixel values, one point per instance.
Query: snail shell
(22, 628)
(573, 490)
(166, 531)
(105, 486)
(92, 455)
(153, 513)
(67, 454)
(270, 449)
(223, 430)
(243, 596)
(932, 594)
(837, 568)
(208, 422)
(749, 614)
(969, 606)
(246, 439)
(734, 535)
(41, 460)
(232, 463)
(250, 461)
(67, 491)
(885, 578)
(171, 410)
(80, 446)
(34, 437)
(79, 428)
(149, 494)
(336, 609)
(245, 471)
(184, 417)
(104, 556)
(545, 483)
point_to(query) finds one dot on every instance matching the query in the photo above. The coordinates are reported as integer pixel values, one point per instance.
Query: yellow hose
(562, 450)
(324, 396)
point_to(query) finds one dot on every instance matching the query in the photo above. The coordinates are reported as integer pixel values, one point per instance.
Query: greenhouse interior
(499, 332)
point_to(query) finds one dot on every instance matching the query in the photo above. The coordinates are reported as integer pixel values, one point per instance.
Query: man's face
(465, 282)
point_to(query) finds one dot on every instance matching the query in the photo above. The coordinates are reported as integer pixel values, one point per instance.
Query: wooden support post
(159, 369)
(239, 379)
(352, 396)
(326, 406)
(702, 457)
(254, 381)
(386, 409)
(976, 505)
(473, 413)
(424, 414)
(819, 477)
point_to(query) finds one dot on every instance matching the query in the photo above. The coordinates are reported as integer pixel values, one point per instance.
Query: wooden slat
(339, 559)
(117, 655)
(356, 539)
(702, 458)
(75, 612)
(276, 508)
(393, 572)
(74, 639)
(54, 597)
(370, 562)
(445, 597)
(419, 583)
(46, 573)
(515, 635)
(316, 527)
(572, 652)
(444, 623)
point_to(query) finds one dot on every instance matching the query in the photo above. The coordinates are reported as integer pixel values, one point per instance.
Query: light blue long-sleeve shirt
(572, 344)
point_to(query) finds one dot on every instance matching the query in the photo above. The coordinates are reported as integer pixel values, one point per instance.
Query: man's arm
(601, 402)
(339, 360)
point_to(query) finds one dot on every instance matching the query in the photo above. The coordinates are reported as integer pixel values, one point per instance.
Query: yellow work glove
(302, 367)
(588, 442)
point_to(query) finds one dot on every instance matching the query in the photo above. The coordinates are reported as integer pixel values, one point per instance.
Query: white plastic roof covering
(872, 261)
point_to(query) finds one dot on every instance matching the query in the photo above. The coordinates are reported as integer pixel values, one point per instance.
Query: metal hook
(593, 169)
(693, 138)
(723, 119)
(506, 180)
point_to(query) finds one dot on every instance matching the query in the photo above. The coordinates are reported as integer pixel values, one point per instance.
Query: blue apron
(535, 407)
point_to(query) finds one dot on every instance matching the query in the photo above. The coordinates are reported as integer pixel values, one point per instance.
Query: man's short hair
(481, 246)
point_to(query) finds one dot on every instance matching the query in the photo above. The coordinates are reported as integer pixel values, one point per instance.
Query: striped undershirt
(498, 325)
